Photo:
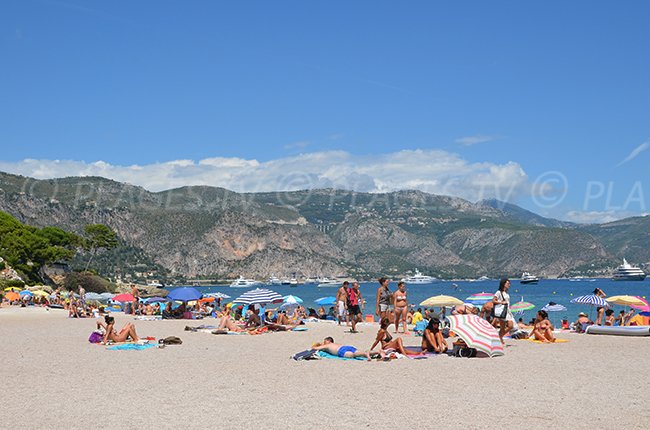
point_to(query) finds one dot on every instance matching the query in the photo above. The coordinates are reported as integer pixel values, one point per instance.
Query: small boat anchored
(527, 278)
(242, 282)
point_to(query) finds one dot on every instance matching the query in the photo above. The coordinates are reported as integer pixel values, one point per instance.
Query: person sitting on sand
(627, 317)
(387, 342)
(127, 332)
(523, 326)
(486, 312)
(417, 316)
(253, 319)
(619, 318)
(543, 329)
(609, 317)
(432, 338)
(581, 322)
(343, 351)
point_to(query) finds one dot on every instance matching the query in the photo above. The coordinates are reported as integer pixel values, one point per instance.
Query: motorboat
(419, 278)
(242, 282)
(326, 283)
(627, 272)
(527, 278)
(274, 280)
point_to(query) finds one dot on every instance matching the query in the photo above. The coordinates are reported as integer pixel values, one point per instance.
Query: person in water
(387, 342)
(343, 351)
(432, 338)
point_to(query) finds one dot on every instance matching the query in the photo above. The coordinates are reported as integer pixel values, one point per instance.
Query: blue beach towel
(131, 347)
(324, 354)
(300, 329)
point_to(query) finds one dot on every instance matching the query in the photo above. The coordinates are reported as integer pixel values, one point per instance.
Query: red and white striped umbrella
(477, 333)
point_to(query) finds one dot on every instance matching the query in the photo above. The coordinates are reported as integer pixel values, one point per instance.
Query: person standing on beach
(501, 297)
(601, 310)
(400, 304)
(136, 295)
(384, 297)
(342, 302)
(356, 305)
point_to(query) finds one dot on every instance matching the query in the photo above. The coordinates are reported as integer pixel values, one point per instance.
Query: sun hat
(582, 314)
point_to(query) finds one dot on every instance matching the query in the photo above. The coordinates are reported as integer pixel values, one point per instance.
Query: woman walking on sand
(501, 297)
(400, 302)
(384, 298)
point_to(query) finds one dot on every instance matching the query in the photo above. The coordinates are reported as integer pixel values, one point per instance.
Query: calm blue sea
(557, 290)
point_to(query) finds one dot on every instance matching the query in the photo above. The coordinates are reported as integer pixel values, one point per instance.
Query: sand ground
(53, 378)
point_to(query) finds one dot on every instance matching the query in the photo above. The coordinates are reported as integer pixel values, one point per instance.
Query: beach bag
(500, 311)
(309, 354)
(171, 340)
(96, 337)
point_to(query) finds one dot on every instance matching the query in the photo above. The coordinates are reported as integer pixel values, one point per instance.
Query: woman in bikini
(543, 329)
(400, 302)
(128, 331)
(383, 299)
(432, 338)
(387, 342)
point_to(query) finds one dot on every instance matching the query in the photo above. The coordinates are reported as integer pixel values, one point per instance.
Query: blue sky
(475, 99)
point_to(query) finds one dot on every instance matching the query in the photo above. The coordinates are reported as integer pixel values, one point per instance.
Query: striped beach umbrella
(258, 296)
(479, 299)
(477, 333)
(522, 306)
(591, 300)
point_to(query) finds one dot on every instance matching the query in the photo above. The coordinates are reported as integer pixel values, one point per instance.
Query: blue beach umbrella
(291, 299)
(325, 301)
(156, 300)
(26, 293)
(185, 294)
(591, 300)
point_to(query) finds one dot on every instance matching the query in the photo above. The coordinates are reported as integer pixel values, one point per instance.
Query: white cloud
(432, 171)
(598, 217)
(635, 153)
(473, 140)
(298, 145)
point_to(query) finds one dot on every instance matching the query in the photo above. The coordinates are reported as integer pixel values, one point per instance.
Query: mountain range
(208, 232)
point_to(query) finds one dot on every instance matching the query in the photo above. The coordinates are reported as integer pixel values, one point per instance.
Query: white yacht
(419, 278)
(627, 272)
(527, 278)
(241, 282)
(274, 280)
(326, 282)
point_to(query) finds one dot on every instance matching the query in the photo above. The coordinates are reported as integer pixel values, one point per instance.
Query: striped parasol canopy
(477, 333)
(522, 306)
(479, 299)
(591, 300)
(258, 296)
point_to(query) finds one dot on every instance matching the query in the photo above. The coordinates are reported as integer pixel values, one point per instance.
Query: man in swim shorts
(345, 351)
(341, 302)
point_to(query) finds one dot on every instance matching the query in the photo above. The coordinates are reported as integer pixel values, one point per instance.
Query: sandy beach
(53, 378)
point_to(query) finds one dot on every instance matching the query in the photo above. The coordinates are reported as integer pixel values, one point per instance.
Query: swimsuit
(346, 348)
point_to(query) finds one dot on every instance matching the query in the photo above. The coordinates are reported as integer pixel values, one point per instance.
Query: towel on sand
(131, 346)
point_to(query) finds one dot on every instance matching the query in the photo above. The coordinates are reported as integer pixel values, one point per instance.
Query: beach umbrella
(185, 294)
(125, 297)
(26, 293)
(292, 299)
(258, 296)
(479, 299)
(591, 300)
(207, 300)
(441, 301)
(13, 289)
(325, 301)
(12, 296)
(522, 306)
(40, 293)
(217, 295)
(156, 300)
(477, 333)
(626, 301)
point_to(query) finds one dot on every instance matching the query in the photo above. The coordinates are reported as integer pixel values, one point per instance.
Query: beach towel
(425, 355)
(300, 329)
(556, 341)
(148, 317)
(131, 346)
(324, 354)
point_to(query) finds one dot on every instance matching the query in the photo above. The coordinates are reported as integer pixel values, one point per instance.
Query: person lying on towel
(345, 351)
